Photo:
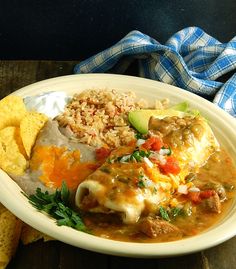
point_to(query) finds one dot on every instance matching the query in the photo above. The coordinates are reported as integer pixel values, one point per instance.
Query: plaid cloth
(190, 59)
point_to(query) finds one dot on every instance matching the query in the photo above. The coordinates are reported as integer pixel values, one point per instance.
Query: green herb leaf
(65, 193)
(175, 212)
(110, 161)
(141, 184)
(170, 151)
(139, 136)
(164, 214)
(57, 206)
(141, 176)
(143, 153)
(136, 156)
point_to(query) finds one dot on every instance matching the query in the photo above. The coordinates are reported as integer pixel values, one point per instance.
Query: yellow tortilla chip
(30, 235)
(10, 230)
(30, 126)
(11, 159)
(12, 110)
(19, 142)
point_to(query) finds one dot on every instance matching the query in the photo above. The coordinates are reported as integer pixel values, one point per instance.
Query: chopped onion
(194, 189)
(140, 142)
(148, 162)
(164, 151)
(158, 157)
(183, 189)
(162, 159)
(125, 158)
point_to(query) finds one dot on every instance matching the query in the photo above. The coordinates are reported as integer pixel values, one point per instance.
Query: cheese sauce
(219, 172)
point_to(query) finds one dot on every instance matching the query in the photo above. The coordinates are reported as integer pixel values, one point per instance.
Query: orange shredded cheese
(57, 164)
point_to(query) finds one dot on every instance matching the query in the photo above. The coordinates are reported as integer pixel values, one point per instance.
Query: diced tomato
(153, 143)
(197, 197)
(194, 197)
(171, 166)
(206, 194)
(102, 153)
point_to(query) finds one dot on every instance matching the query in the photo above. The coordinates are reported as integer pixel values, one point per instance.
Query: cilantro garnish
(170, 150)
(57, 206)
(175, 212)
(164, 214)
(141, 184)
(139, 136)
(138, 155)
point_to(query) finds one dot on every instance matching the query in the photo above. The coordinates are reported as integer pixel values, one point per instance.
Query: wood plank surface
(55, 254)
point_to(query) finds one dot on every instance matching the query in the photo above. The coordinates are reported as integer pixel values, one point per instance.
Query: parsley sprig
(57, 206)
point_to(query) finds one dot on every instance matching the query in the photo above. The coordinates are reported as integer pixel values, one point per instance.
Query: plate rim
(107, 246)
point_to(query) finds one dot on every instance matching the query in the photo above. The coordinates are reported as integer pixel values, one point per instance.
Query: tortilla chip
(30, 126)
(12, 110)
(30, 235)
(20, 143)
(10, 230)
(11, 159)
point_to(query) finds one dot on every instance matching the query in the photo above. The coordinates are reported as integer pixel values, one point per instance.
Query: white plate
(223, 125)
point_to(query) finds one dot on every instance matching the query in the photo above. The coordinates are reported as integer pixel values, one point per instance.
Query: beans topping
(178, 131)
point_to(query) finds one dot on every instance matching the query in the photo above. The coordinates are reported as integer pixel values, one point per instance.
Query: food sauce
(219, 171)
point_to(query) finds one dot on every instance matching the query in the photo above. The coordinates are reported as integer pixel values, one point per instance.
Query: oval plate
(223, 125)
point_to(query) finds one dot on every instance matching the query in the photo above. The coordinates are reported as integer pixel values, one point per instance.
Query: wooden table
(54, 254)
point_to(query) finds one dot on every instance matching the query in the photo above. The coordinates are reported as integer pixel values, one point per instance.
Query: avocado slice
(184, 107)
(139, 118)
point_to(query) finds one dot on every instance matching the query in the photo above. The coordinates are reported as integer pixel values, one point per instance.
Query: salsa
(217, 175)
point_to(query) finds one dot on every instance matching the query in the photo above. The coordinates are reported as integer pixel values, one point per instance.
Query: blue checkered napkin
(190, 59)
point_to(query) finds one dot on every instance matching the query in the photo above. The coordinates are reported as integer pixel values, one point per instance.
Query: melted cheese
(116, 189)
(131, 188)
(57, 164)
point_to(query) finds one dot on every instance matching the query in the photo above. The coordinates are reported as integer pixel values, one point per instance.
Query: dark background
(76, 29)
